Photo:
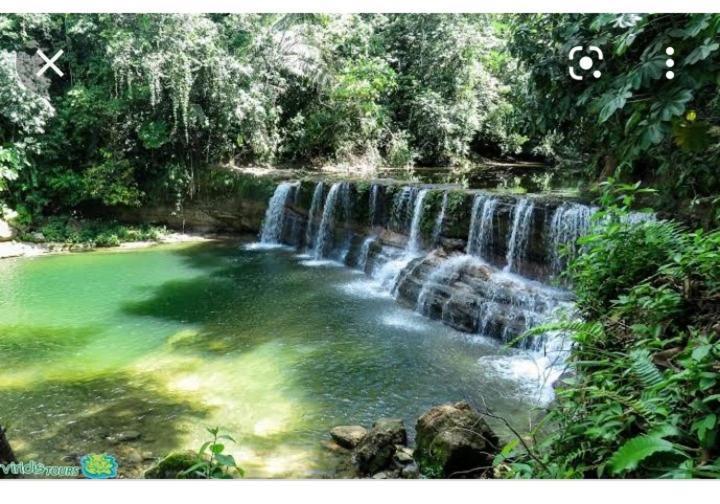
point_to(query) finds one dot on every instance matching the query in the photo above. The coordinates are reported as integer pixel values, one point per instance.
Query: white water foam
(534, 374)
(266, 246)
(407, 320)
(365, 289)
(319, 263)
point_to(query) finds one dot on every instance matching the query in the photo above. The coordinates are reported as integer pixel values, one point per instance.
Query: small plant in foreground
(213, 462)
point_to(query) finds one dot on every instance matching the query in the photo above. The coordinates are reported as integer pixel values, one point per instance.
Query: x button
(49, 63)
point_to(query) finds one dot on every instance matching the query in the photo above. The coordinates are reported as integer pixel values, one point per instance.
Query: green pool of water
(169, 340)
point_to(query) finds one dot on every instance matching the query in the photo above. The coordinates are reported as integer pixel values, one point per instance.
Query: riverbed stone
(403, 454)
(410, 471)
(124, 437)
(133, 457)
(348, 436)
(454, 440)
(388, 474)
(376, 450)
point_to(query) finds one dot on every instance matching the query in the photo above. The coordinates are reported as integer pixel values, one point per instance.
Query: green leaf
(644, 369)
(701, 352)
(672, 105)
(704, 425)
(613, 103)
(217, 448)
(702, 52)
(193, 468)
(636, 450)
(226, 460)
(204, 446)
(228, 437)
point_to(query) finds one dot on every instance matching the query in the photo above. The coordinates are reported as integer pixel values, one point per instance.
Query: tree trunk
(6, 454)
(609, 168)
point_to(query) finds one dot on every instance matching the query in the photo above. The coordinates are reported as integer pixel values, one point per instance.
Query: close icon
(35, 69)
(585, 62)
(49, 63)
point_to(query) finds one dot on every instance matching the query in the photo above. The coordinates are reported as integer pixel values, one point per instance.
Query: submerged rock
(124, 437)
(348, 436)
(453, 440)
(376, 450)
(410, 471)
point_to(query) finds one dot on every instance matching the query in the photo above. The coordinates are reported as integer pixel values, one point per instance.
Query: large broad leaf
(636, 450)
(671, 105)
(701, 52)
(611, 102)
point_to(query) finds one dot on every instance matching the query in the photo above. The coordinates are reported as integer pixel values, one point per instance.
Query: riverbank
(13, 249)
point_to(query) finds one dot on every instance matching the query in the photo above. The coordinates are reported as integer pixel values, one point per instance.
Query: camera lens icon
(585, 62)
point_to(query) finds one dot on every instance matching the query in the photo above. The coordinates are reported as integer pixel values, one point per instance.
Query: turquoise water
(169, 340)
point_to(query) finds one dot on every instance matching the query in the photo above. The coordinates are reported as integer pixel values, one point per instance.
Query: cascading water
(440, 219)
(325, 231)
(447, 272)
(365, 252)
(414, 244)
(346, 206)
(402, 203)
(272, 226)
(313, 215)
(465, 291)
(520, 235)
(480, 236)
(569, 222)
(374, 205)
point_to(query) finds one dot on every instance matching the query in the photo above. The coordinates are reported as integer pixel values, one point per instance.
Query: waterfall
(480, 236)
(272, 226)
(373, 205)
(447, 272)
(464, 291)
(346, 206)
(313, 214)
(326, 232)
(414, 244)
(520, 235)
(569, 222)
(365, 252)
(401, 209)
(440, 220)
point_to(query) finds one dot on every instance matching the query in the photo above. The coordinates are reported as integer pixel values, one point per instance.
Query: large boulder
(9, 223)
(7, 233)
(454, 441)
(376, 450)
(348, 436)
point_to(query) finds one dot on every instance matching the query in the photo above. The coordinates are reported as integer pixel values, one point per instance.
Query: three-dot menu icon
(670, 63)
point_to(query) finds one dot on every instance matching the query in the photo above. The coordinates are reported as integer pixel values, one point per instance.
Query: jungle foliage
(642, 394)
(150, 101)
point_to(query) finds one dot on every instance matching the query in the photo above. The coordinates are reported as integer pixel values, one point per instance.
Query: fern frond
(644, 368)
(636, 450)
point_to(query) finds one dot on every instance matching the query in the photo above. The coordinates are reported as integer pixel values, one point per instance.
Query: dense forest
(149, 103)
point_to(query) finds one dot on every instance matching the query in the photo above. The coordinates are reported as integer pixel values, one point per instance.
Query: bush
(95, 233)
(644, 395)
